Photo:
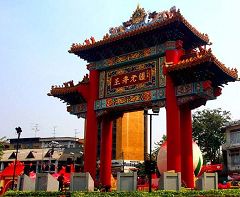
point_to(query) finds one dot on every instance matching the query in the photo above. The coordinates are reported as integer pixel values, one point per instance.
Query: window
(235, 137)
(235, 158)
(19, 146)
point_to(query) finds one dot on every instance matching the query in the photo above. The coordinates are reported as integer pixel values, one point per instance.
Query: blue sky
(35, 37)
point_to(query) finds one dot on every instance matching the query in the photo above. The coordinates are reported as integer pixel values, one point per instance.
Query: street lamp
(155, 111)
(122, 161)
(73, 157)
(19, 131)
(52, 145)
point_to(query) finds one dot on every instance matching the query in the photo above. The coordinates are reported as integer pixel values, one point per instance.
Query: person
(60, 180)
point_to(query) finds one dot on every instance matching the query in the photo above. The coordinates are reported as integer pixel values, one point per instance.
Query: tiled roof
(200, 58)
(67, 87)
(57, 90)
(77, 47)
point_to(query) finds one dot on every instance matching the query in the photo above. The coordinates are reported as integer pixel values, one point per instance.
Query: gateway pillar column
(90, 147)
(187, 149)
(106, 152)
(173, 116)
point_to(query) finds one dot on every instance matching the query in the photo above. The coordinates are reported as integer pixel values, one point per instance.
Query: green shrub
(164, 193)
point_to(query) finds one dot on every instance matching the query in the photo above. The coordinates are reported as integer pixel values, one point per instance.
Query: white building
(232, 146)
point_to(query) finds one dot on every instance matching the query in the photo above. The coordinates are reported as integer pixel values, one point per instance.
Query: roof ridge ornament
(138, 16)
(139, 22)
(138, 19)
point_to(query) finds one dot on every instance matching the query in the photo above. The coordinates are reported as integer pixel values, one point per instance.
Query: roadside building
(44, 154)
(231, 149)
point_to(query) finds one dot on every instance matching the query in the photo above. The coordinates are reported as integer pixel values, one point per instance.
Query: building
(231, 149)
(44, 154)
(37, 142)
(128, 137)
(129, 141)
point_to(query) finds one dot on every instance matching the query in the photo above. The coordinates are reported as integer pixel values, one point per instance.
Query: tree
(143, 168)
(207, 132)
(2, 141)
(157, 147)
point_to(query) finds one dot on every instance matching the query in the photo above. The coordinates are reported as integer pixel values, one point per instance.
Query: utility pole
(75, 133)
(35, 129)
(54, 131)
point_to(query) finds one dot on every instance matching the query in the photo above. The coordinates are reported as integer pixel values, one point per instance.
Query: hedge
(211, 193)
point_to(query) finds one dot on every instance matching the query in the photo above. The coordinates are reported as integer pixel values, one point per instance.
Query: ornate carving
(68, 84)
(86, 42)
(198, 56)
(101, 84)
(185, 99)
(152, 96)
(127, 58)
(161, 16)
(184, 89)
(76, 109)
(138, 77)
(162, 77)
(79, 110)
(85, 79)
(138, 19)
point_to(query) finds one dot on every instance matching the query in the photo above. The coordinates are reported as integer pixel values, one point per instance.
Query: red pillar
(173, 117)
(90, 149)
(106, 152)
(186, 149)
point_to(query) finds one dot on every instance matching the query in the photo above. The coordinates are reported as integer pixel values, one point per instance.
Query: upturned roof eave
(79, 50)
(208, 57)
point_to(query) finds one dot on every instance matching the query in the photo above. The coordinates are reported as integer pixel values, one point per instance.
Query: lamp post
(73, 158)
(52, 145)
(155, 111)
(122, 161)
(81, 161)
(19, 131)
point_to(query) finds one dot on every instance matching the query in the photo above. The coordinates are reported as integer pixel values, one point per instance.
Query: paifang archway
(161, 61)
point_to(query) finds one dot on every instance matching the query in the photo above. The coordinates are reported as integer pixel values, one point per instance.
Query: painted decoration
(162, 158)
(133, 78)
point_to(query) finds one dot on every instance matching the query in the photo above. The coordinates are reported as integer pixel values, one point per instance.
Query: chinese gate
(159, 62)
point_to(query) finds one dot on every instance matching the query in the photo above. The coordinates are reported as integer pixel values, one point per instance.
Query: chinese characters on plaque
(131, 78)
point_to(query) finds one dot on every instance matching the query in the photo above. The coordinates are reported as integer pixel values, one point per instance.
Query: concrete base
(46, 182)
(81, 182)
(170, 181)
(207, 181)
(127, 181)
(25, 183)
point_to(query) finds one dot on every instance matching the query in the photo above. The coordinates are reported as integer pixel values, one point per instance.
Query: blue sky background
(35, 36)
